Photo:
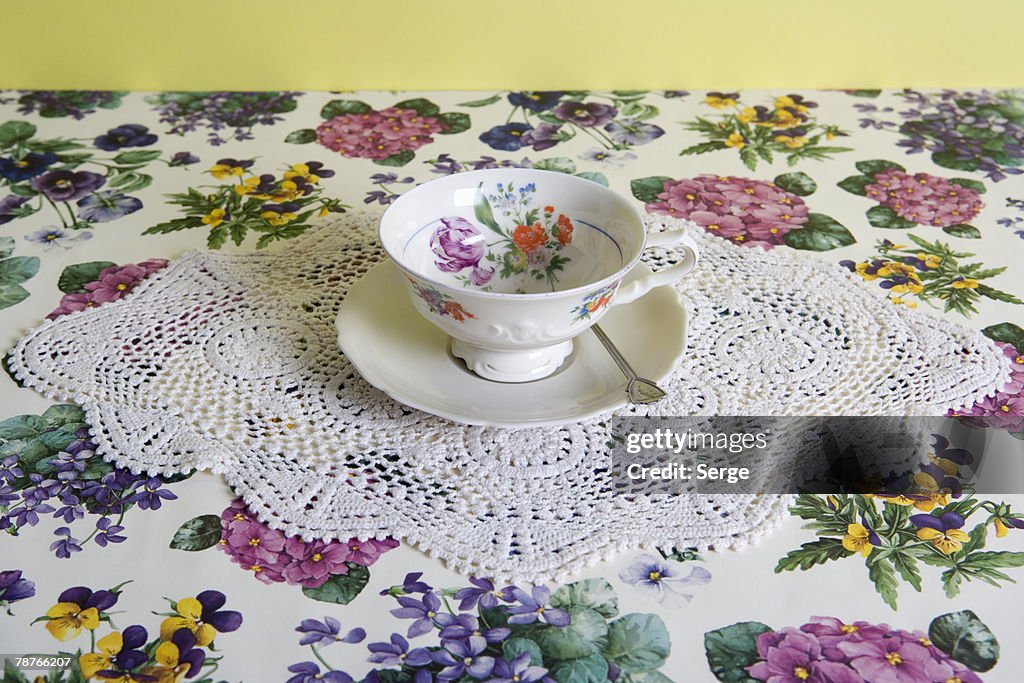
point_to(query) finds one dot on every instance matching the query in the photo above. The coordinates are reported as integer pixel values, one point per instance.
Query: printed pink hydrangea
(1005, 409)
(378, 134)
(111, 284)
(925, 199)
(745, 211)
(274, 558)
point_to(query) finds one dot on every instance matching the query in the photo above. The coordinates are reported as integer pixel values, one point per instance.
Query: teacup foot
(519, 365)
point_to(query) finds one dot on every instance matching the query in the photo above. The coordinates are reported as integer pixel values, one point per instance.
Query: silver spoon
(638, 389)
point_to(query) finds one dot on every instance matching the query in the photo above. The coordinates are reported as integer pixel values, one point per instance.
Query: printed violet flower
(31, 165)
(585, 115)
(127, 135)
(57, 238)
(482, 591)
(533, 606)
(508, 137)
(792, 656)
(10, 208)
(66, 186)
(183, 159)
(13, 587)
(467, 627)
(397, 653)
(313, 563)
(107, 205)
(78, 608)
(378, 134)
(925, 199)
(178, 658)
(425, 612)
(203, 616)
(327, 632)
(535, 101)
(518, 670)
(945, 532)
(461, 658)
(309, 672)
(893, 660)
(630, 132)
(831, 631)
(118, 654)
(662, 580)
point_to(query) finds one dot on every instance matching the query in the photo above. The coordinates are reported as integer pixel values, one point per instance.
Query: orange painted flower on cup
(529, 237)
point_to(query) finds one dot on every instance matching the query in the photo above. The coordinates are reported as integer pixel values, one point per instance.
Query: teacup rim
(535, 296)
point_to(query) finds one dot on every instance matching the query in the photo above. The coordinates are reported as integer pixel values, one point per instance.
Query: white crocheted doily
(230, 364)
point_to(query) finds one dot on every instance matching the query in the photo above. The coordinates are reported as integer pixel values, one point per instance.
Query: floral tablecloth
(154, 578)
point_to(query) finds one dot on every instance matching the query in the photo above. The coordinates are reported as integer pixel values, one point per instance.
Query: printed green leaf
(11, 295)
(732, 649)
(421, 106)
(963, 230)
(1007, 333)
(996, 294)
(586, 634)
(638, 642)
(647, 189)
(137, 156)
(130, 181)
(644, 677)
(864, 93)
(481, 103)
(22, 190)
(455, 122)
(22, 427)
(798, 183)
(11, 672)
(975, 185)
(483, 212)
(748, 155)
(591, 669)
(812, 553)
(560, 164)
(72, 280)
(303, 136)
(17, 269)
(597, 594)
(6, 246)
(198, 533)
(513, 647)
(884, 217)
(704, 148)
(856, 184)
(906, 565)
(57, 439)
(342, 107)
(13, 132)
(400, 159)
(965, 638)
(62, 414)
(216, 237)
(874, 166)
(594, 176)
(819, 233)
(949, 159)
(341, 589)
(882, 575)
(638, 111)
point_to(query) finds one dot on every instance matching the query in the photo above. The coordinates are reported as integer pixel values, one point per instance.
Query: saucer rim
(519, 423)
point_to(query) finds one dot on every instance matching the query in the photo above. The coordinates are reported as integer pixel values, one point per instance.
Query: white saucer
(399, 352)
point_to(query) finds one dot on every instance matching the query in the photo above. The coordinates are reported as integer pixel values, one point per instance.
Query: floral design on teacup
(594, 302)
(529, 247)
(440, 303)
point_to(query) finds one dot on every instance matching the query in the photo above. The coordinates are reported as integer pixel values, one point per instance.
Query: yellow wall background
(519, 44)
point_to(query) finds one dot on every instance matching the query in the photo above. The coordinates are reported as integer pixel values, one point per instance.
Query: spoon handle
(613, 350)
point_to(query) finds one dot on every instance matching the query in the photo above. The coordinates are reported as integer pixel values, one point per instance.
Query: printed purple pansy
(585, 114)
(127, 135)
(31, 165)
(65, 186)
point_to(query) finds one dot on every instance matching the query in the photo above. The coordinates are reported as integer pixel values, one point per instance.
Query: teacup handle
(673, 238)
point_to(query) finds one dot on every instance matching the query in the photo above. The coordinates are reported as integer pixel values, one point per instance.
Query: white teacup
(514, 263)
